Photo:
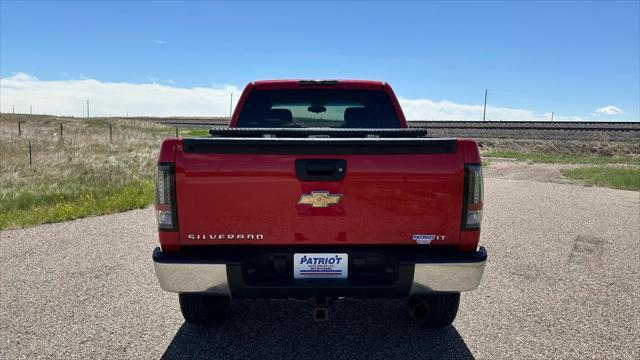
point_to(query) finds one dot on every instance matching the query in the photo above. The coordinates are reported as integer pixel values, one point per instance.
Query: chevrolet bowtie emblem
(319, 199)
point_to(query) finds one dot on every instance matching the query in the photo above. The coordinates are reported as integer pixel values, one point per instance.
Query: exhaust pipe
(418, 308)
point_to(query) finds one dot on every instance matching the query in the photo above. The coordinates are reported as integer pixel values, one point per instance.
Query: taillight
(166, 197)
(473, 189)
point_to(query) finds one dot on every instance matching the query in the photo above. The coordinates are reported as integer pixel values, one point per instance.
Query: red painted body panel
(169, 240)
(168, 151)
(386, 199)
(470, 151)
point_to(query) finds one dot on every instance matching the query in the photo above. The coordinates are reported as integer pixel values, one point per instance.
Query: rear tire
(204, 309)
(442, 308)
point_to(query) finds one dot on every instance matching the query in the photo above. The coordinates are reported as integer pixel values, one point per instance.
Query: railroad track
(466, 125)
(530, 125)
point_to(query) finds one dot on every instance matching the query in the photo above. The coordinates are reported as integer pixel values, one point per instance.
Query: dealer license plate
(320, 266)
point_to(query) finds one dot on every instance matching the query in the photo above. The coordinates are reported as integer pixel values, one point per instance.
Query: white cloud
(608, 110)
(160, 42)
(68, 97)
(425, 109)
(20, 76)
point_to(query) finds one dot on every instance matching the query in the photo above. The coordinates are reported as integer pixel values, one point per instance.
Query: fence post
(30, 153)
(176, 132)
(19, 128)
(110, 133)
(60, 131)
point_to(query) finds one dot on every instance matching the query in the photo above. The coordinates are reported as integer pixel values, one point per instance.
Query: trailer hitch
(320, 308)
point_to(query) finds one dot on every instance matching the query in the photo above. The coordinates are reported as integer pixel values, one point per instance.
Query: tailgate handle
(320, 169)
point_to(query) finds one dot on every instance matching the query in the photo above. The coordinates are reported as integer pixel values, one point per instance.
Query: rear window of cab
(303, 108)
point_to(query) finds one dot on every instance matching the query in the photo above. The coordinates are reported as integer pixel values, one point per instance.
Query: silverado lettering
(336, 197)
(225, 236)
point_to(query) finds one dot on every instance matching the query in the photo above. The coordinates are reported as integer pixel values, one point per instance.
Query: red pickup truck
(318, 190)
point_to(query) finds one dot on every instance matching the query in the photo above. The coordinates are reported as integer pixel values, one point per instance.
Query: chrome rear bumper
(446, 277)
(204, 277)
(193, 278)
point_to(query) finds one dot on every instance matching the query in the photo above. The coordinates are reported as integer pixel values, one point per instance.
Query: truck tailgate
(248, 191)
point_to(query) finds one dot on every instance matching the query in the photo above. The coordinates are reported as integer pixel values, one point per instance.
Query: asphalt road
(561, 282)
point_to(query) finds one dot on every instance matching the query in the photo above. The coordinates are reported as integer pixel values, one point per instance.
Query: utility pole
(484, 113)
(30, 109)
(552, 116)
(87, 109)
(231, 106)
(13, 109)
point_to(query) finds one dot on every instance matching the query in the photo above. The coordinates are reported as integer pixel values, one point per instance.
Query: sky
(579, 60)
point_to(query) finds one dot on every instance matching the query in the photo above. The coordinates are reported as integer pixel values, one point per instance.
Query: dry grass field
(564, 151)
(76, 174)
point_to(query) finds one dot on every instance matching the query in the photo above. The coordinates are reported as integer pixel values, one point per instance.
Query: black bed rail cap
(319, 146)
(318, 132)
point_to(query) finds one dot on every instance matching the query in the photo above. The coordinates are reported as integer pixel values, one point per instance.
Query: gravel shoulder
(561, 282)
(513, 169)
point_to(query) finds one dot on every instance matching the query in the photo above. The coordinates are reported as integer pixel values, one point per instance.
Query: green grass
(612, 177)
(73, 198)
(194, 132)
(560, 158)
